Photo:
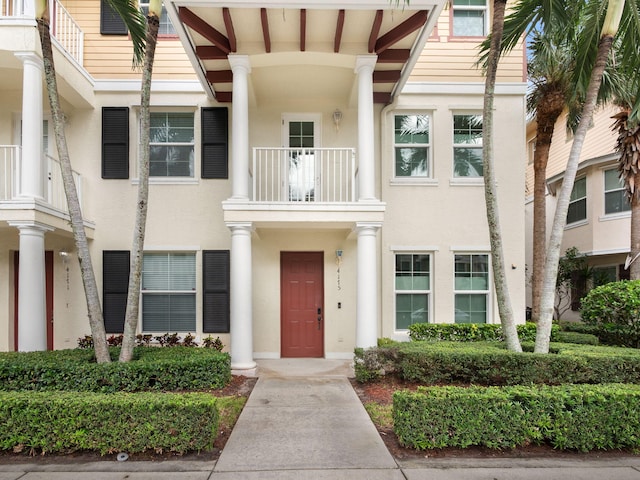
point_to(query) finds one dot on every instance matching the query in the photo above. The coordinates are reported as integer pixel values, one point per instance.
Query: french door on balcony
(301, 134)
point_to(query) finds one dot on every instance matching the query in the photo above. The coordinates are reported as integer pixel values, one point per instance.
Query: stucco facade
(356, 210)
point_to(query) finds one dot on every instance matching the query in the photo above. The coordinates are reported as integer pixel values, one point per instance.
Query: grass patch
(381, 415)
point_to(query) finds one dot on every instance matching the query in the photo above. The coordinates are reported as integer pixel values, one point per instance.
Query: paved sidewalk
(304, 421)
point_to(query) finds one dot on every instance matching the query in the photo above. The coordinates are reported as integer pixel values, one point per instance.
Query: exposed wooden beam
(339, 29)
(224, 97)
(407, 27)
(219, 76)
(394, 55)
(265, 29)
(194, 22)
(375, 30)
(386, 76)
(209, 52)
(303, 29)
(231, 33)
(381, 97)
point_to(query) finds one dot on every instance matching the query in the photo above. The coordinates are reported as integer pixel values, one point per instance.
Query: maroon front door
(48, 266)
(302, 304)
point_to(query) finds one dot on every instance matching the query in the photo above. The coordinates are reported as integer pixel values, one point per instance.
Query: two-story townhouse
(598, 220)
(315, 172)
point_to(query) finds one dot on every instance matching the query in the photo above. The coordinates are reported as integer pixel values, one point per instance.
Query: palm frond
(136, 23)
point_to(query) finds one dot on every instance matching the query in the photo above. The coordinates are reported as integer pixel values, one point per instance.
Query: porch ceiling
(303, 48)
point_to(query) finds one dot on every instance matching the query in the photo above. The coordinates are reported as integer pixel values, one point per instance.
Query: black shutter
(215, 288)
(115, 142)
(115, 284)
(215, 141)
(110, 22)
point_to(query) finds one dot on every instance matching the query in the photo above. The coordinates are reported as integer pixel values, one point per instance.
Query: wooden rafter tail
(339, 29)
(410, 25)
(264, 19)
(303, 29)
(375, 31)
(231, 33)
(197, 24)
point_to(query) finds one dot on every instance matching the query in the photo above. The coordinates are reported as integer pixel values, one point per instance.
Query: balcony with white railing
(10, 180)
(66, 34)
(304, 176)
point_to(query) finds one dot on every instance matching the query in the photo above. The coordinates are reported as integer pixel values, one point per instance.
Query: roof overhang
(303, 48)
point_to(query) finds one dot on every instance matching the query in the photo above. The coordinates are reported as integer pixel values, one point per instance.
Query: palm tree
(137, 251)
(491, 200)
(628, 147)
(128, 11)
(603, 21)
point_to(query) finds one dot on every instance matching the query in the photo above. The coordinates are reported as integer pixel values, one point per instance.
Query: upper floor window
(169, 292)
(413, 289)
(471, 288)
(172, 144)
(467, 146)
(578, 202)
(615, 200)
(412, 145)
(470, 18)
(166, 28)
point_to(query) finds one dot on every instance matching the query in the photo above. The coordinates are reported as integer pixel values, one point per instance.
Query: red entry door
(48, 266)
(302, 304)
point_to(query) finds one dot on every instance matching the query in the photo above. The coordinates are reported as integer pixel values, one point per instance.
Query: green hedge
(485, 363)
(607, 333)
(67, 422)
(578, 417)
(472, 332)
(153, 368)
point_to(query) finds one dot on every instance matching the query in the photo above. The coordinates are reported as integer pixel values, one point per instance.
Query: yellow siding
(599, 141)
(110, 56)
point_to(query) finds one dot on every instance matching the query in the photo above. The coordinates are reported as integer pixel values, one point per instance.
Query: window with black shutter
(115, 284)
(215, 282)
(115, 142)
(215, 140)
(110, 22)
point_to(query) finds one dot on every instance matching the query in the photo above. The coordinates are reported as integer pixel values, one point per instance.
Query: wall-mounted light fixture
(64, 256)
(337, 118)
(338, 253)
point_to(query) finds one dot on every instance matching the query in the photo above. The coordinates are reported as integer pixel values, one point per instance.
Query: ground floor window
(413, 289)
(471, 272)
(169, 292)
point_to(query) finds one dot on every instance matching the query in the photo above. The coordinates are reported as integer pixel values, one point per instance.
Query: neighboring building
(316, 174)
(599, 217)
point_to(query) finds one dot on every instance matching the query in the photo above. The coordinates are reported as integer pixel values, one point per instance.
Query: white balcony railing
(65, 32)
(10, 178)
(297, 175)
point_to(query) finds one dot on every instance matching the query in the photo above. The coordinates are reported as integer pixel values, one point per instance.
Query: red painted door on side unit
(302, 304)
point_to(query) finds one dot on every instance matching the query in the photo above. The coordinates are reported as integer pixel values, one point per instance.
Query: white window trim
(604, 196)
(488, 292)
(412, 251)
(464, 180)
(582, 221)
(484, 8)
(429, 180)
(166, 15)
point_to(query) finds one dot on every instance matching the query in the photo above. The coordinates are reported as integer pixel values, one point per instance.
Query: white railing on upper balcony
(10, 176)
(65, 32)
(9, 171)
(304, 175)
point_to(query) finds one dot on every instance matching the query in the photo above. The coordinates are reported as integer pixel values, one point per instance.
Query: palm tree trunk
(96, 322)
(634, 269)
(491, 199)
(137, 251)
(543, 333)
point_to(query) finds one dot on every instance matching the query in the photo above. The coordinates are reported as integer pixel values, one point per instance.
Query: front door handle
(319, 318)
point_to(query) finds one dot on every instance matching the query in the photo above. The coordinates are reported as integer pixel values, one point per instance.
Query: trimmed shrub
(607, 333)
(579, 417)
(165, 369)
(484, 363)
(68, 422)
(472, 332)
(617, 304)
(579, 338)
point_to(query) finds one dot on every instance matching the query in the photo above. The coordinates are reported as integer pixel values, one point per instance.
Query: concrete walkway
(304, 421)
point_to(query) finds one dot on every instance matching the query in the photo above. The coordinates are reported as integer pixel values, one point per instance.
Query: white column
(241, 68)
(32, 313)
(367, 286)
(32, 171)
(241, 297)
(364, 68)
